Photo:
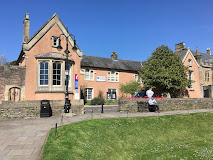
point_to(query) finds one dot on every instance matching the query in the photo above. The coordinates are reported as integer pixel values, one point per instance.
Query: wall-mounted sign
(101, 78)
(76, 81)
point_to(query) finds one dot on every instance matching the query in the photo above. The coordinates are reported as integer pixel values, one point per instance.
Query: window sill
(113, 81)
(70, 92)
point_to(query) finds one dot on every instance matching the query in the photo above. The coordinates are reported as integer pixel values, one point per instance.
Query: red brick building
(43, 69)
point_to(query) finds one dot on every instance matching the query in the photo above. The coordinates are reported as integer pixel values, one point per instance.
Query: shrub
(97, 101)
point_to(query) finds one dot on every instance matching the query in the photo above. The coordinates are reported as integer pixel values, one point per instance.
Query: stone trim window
(112, 93)
(113, 76)
(137, 78)
(89, 75)
(190, 62)
(55, 41)
(207, 76)
(43, 73)
(56, 74)
(191, 77)
(89, 93)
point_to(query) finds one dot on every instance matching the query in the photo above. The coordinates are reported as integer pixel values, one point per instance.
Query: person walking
(149, 93)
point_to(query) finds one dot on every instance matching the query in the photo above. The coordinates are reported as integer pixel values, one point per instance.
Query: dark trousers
(154, 108)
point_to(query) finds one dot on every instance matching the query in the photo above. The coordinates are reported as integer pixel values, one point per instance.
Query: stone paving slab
(23, 139)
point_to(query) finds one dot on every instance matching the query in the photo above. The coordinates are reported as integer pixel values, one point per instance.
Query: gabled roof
(45, 28)
(204, 56)
(108, 63)
(54, 55)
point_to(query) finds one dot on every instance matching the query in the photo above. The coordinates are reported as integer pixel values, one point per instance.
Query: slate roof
(204, 56)
(108, 63)
(54, 55)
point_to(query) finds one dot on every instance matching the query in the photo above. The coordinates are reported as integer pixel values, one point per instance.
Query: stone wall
(167, 104)
(12, 77)
(23, 109)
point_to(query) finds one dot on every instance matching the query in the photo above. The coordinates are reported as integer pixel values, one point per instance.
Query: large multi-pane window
(207, 76)
(89, 93)
(191, 78)
(89, 74)
(111, 93)
(43, 73)
(113, 76)
(56, 73)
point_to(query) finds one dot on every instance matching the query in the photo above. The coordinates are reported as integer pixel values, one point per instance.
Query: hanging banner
(76, 81)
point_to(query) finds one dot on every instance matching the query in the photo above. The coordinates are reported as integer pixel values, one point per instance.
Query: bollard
(102, 108)
(55, 131)
(62, 120)
(92, 115)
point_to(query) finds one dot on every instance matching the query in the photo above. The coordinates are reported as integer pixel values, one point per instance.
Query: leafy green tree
(13, 63)
(165, 71)
(130, 88)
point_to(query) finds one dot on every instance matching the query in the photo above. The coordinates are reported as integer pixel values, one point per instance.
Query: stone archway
(15, 94)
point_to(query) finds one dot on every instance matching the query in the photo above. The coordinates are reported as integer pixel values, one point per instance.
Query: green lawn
(168, 137)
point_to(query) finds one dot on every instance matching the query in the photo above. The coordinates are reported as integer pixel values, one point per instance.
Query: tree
(4, 62)
(130, 88)
(13, 63)
(165, 71)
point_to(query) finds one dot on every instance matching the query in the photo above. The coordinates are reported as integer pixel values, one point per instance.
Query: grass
(168, 137)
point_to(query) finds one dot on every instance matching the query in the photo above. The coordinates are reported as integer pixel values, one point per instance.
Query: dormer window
(55, 41)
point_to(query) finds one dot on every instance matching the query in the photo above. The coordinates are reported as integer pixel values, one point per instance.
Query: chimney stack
(208, 51)
(114, 56)
(179, 47)
(26, 32)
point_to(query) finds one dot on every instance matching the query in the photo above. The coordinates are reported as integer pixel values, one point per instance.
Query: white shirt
(149, 93)
(152, 102)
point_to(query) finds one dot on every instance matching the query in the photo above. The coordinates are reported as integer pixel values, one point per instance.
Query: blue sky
(132, 28)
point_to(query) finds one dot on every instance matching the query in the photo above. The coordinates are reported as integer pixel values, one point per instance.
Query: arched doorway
(15, 94)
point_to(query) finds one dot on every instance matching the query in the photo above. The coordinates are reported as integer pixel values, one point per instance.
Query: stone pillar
(211, 91)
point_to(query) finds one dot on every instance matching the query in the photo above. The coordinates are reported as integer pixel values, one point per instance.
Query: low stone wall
(168, 104)
(23, 109)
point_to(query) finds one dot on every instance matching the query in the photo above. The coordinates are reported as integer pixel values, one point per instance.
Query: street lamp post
(67, 104)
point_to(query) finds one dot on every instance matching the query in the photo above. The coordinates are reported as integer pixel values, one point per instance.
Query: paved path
(23, 139)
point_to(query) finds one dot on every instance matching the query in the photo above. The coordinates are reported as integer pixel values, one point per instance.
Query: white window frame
(137, 78)
(109, 98)
(190, 62)
(57, 74)
(112, 76)
(44, 73)
(86, 92)
(89, 75)
(207, 76)
(191, 77)
(55, 41)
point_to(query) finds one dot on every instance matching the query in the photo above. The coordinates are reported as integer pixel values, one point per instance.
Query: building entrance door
(206, 93)
(15, 94)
